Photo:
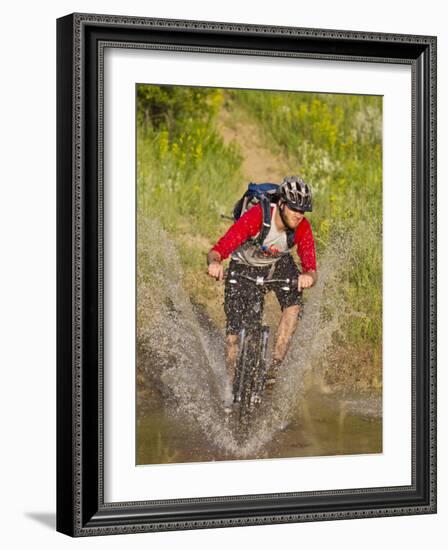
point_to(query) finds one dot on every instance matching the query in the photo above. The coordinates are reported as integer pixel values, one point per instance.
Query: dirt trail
(259, 163)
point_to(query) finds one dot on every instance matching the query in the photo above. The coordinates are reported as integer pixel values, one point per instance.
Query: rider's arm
(247, 226)
(215, 267)
(306, 249)
(213, 256)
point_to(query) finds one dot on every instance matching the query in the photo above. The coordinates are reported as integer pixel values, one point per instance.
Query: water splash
(184, 359)
(324, 312)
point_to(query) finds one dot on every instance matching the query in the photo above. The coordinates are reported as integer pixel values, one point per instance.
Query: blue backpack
(264, 194)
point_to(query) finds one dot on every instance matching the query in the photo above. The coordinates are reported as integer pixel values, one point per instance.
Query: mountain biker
(273, 260)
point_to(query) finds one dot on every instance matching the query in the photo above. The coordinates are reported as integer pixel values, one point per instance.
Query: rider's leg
(290, 301)
(231, 355)
(286, 328)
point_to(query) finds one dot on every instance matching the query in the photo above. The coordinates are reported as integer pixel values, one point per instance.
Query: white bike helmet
(296, 193)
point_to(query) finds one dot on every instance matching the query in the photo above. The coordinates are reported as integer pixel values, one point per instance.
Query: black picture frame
(81, 510)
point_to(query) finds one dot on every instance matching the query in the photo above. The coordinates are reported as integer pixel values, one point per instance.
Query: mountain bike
(251, 364)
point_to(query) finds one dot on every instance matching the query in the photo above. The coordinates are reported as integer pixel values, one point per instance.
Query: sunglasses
(295, 209)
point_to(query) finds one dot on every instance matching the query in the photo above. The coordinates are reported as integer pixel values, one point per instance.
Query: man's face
(291, 218)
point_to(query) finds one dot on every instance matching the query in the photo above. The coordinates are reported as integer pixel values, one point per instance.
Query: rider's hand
(216, 270)
(304, 281)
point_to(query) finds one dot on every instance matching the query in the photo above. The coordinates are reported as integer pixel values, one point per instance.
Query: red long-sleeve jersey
(249, 225)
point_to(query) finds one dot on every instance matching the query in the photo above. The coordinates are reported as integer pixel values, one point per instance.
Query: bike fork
(240, 363)
(262, 367)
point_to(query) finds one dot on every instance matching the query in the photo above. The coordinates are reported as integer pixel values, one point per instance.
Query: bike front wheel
(251, 370)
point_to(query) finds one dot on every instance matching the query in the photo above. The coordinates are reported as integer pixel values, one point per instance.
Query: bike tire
(240, 365)
(261, 368)
(250, 357)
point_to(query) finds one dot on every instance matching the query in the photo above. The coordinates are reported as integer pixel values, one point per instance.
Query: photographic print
(259, 274)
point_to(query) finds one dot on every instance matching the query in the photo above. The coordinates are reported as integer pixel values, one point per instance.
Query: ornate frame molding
(81, 42)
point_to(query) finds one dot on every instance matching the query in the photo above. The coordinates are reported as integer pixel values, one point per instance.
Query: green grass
(186, 178)
(192, 176)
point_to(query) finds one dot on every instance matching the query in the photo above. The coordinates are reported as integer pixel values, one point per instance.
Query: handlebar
(260, 281)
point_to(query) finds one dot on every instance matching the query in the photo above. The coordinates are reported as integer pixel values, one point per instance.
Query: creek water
(182, 381)
(321, 425)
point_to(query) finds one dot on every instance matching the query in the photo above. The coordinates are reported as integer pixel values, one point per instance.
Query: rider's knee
(232, 345)
(293, 312)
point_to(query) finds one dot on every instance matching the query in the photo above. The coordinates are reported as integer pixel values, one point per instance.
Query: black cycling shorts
(244, 301)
